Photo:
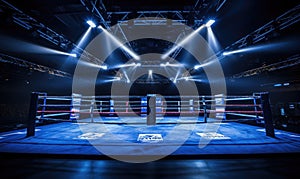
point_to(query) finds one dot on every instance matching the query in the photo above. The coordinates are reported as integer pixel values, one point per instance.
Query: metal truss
(151, 18)
(118, 32)
(289, 62)
(47, 33)
(168, 17)
(32, 66)
(287, 19)
(179, 38)
(97, 8)
(220, 4)
(282, 22)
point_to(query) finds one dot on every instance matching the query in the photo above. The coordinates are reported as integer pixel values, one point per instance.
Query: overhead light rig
(193, 17)
(32, 66)
(289, 62)
(280, 23)
(29, 23)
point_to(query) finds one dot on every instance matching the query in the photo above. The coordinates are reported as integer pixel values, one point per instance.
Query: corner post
(265, 102)
(32, 114)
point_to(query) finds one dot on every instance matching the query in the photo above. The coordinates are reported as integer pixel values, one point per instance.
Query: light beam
(181, 43)
(118, 42)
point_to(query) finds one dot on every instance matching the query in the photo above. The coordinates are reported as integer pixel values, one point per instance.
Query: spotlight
(150, 72)
(210, 22)
(104, 67)
(73, 55)
(277, 85)
(138, 64)
(61, 53)
(91, 23)
(117, 79)
(226, 53)
(196, 67)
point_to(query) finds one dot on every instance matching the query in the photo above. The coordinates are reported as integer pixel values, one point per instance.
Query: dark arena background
(154, 89)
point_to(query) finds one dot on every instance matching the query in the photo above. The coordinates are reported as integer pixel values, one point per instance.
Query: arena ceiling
(235, 20)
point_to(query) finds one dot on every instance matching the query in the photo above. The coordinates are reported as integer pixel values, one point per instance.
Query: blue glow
(277, 85)
(91, 23)
(15, 45)
(210, 23)
(150, 74)
(104, 67)
(196, 67)
(73, 55)
(256, 48)
(190, 78)
(286, 84)
(83, 38)
(212, 40)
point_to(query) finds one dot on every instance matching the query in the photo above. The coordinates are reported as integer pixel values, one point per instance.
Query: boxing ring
(150, 110)
(152, 125)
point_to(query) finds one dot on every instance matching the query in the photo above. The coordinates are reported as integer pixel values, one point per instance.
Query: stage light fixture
(91, 23)
(277, 85)
(73, 55)
(117, 79)
(150, 73)
(210, 23)
(104, 67)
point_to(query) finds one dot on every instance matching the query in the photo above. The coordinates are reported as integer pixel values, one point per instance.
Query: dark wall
(15, 92)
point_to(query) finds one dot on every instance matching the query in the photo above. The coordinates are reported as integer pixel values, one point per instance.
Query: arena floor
(91, 139)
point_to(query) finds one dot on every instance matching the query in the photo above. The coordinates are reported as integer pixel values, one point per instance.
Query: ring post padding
(204, 108)
(32, 114)
(75, 106)
(267, 114)
(92, 110)
(220, 106)
(258, 120)
(151, 109)
(44, 107)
